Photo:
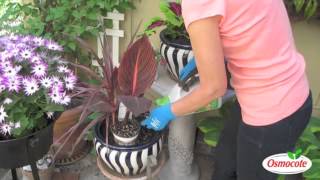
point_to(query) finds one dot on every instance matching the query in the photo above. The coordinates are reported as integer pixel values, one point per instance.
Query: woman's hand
(159, 118)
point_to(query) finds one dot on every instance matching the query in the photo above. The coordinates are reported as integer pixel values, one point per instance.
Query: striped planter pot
(126, 160)
(176, 55)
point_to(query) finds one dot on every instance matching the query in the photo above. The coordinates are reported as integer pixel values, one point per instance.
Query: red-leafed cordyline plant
(125, 85)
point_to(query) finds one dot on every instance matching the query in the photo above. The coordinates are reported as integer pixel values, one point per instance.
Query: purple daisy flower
(39, 70)
(26, 39)
(63, 69)
(38, 41)
(31, 86)
(5, 129)
(46, 82)
(56, 81)
(65, 100)
(70, 81)
(56, 94)
(10, 71)
(53, 46)
(14, 84)
(26, 53)
(36, 59)
(5, 55)
(3, 114)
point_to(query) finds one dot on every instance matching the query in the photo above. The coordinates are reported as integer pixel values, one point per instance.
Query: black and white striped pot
(176, 55)
(126, 160)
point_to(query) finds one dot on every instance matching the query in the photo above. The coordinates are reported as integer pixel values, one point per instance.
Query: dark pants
(242, 148)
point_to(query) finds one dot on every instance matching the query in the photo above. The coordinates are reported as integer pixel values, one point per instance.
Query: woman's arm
(206, 43)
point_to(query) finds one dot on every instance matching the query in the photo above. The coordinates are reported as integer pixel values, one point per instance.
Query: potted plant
(175, 43)
(299, 8)
(115, 106)
(34, 86)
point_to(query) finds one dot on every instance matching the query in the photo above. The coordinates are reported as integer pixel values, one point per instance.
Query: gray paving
(88, 169)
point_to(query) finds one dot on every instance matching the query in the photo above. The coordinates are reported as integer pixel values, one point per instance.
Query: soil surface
(126, 129)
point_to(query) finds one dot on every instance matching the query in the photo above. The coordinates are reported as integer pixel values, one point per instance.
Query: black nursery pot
(126, 160)
(177, 54)
(20, 152)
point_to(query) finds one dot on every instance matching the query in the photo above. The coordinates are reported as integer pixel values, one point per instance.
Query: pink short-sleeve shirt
(268, 73)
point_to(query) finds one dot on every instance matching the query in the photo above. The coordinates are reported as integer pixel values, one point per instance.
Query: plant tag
(122, 111)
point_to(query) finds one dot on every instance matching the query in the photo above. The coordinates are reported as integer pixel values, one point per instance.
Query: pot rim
(172, 43)
(98, 136)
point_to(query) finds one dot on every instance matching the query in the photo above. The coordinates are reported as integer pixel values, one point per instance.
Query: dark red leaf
(138, 68)
(137, 105)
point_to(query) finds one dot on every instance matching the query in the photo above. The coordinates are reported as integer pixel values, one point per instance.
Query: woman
(268, 75)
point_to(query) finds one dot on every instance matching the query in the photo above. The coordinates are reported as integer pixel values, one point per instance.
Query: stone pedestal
(181, 140)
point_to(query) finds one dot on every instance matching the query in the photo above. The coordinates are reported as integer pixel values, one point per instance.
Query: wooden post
(116, 33)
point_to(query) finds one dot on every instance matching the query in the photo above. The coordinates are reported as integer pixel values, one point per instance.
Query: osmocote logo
(287, 163)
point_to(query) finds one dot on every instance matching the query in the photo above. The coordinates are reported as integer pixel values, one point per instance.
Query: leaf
(314, 124)
(85, 130)
(291, 155)
(138, 68)
(211, 138)
(298, 153)
(137, 105)
(211, 124)
(101, 106)
(313, 172)
(298, 4)
(53, 108)
(311, 8)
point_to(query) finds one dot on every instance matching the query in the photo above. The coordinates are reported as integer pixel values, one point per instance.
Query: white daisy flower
(17, 125)
(35, 59)
(38, 41)
(39, 70)
(50, 115)
(70, 85)
(2, 88)
(10, 72)
(14, 84)
(46, 82)
(56, 97)
(63, 69)
(31, 87)
(3, 114)
(65, 100)
(7, 101)
(53, 46)
(56, 81)
(5, 129)
(26, 54)
(15, 51)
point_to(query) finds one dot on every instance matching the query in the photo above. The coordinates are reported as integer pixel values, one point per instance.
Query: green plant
(33, 84)
(310, 143)
(212, 126)
(172, 20)
(125, 85)
(56, 18)
(308, 8)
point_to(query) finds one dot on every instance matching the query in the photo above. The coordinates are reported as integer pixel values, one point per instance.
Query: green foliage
(172, 21)
(212, 126)
(29, 112)
(310, 143)
(55, 19)
(308, 8)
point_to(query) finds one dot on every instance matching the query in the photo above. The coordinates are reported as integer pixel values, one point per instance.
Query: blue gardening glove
(187, 69)
(159, 118)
